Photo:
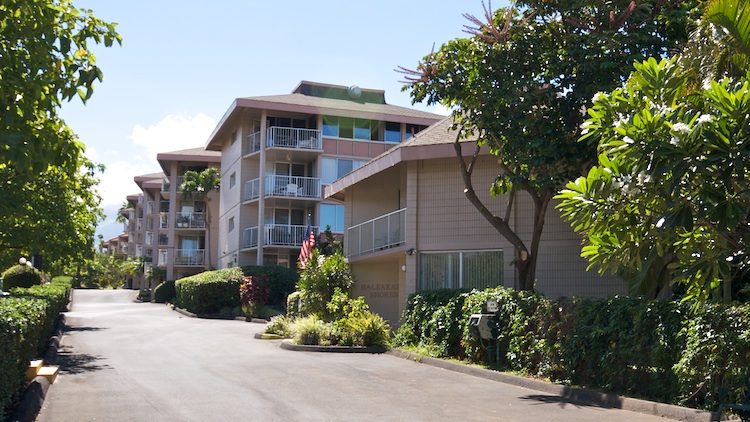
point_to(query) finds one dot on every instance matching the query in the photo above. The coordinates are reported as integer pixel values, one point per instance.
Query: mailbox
(482, 326)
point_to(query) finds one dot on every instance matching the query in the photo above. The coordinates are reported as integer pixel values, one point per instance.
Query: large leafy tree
(198, 185)
(669, 199)
(46, 184)
(521, 85)
(44, 60)
(54, 214)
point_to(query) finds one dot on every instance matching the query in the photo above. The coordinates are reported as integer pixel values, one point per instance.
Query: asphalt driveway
(127, 361)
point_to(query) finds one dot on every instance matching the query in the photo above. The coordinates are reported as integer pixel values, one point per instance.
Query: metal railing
(190, 220)
(189, 257)
(288, 186)
(284, 137)
(276, 235)
(386, 231)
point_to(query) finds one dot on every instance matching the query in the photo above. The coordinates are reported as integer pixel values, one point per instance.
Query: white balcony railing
(190, 220)
(287, 186)
(276, 235)
(190, 257)
(386, 231)
(284, 137)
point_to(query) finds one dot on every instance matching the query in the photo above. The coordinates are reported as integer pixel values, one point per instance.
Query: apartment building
(279, 152)
(410, 228)
(177, 224)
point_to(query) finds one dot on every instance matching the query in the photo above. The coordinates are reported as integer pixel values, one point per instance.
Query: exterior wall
(440, 218)
(382, 287)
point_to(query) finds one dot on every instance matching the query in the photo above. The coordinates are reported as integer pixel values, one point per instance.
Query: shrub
(165, 292)
(254, 293)
(27, 319)
(210, 291)
(363, 329)
(295, 304)
(320, 279)
(311, 330)
(281, 281)
(281, 326)
(21, 276)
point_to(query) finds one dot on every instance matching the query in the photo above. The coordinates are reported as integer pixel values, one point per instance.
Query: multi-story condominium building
(410, 228)
(177, 226)
(277, 154)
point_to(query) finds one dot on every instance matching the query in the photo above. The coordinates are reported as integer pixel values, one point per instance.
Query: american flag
(307, 247)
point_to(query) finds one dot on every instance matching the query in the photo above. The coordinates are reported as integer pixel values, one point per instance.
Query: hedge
(652, 349)
(165, 292)
(27, 319)
(20, 276)
(210, 292)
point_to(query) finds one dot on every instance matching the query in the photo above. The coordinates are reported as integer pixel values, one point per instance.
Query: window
(392, 132)
(412, 130)
(349, 128)
(335, 168)
(460, 270)
(232, 180)
(332, 215)
(230, 225)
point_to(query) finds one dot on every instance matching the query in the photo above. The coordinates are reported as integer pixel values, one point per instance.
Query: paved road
(127, 361)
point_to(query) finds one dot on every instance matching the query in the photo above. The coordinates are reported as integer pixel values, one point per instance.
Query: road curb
(575, 395)
(288, 345)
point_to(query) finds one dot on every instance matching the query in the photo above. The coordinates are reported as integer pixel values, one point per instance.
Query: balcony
(284, 137)
(149, 238)
(276, 235)
(283, 186)
(190, 257)
(384, 232)
(190, 220)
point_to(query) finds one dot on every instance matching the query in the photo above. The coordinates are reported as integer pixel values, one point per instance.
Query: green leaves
(670, 181)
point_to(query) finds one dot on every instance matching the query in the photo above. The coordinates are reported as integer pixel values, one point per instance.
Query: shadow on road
(71, 362)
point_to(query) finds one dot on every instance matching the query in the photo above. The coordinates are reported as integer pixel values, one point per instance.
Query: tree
(47, 202)
(54, 213)
(669, 200)
(198, 185)
(121, 217)
(521, 84)
(45, 60)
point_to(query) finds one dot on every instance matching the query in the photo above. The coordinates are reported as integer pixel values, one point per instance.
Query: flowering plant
(254, 293)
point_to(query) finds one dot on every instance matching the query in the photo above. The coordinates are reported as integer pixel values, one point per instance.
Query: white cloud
(173, 132)
(123, 163)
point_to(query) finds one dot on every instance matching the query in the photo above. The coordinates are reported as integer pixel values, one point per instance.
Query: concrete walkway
(127, 361)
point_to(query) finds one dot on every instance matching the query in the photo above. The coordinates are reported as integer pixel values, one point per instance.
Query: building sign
(379, 290)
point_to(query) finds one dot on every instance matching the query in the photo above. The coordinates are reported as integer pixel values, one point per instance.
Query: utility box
(482, 326)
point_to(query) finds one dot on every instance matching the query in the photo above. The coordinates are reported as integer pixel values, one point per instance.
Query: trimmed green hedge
(165, 292)
(21, 276)
(210, 292)
(27, 319)
(651, 349)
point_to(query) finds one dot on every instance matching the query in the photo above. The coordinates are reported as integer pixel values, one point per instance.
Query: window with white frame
(232, 179)
(460, 269)
(230, 224)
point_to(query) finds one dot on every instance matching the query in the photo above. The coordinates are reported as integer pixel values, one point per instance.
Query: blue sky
(182, 63)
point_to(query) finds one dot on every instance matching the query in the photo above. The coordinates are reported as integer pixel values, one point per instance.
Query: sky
(182, 63)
